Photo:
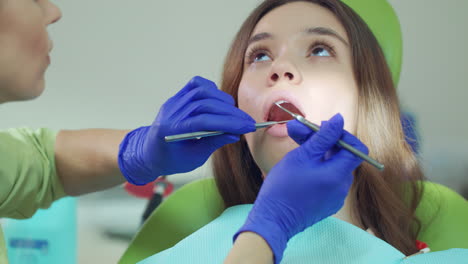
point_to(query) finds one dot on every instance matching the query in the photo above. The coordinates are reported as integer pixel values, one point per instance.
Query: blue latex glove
(309, 184)
(199, 106)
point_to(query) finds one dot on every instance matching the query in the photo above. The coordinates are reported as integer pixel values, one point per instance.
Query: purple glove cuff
(129, 159)
(270, 232)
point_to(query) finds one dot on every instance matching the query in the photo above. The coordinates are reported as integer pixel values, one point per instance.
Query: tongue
(276, 114)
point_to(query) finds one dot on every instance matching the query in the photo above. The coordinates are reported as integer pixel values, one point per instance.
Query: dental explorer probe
(201, 134)
(340, 143)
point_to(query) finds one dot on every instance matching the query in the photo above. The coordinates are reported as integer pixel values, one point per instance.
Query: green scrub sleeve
(28, 178)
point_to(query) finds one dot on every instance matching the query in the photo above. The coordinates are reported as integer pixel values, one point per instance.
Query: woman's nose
(284, 72)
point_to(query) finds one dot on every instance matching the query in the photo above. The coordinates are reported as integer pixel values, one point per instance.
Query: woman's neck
(347, 213)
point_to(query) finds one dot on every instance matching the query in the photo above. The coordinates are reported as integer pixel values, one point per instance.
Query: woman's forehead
(297, 17)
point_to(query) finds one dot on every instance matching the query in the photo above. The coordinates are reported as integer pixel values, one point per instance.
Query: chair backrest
(182, 213)
(444, 218)
(444, 215)
(381, 18)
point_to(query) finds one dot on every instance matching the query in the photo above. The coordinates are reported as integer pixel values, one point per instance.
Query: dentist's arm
(86, 160)
(250, 248)
(92, 160)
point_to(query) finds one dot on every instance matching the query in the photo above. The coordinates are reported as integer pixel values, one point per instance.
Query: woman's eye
(321, 52)
(261, 57)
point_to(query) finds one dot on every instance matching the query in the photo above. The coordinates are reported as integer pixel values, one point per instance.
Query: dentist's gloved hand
(305, 186)
(199, 106)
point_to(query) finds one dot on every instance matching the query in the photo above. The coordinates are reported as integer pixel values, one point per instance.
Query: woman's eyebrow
(325, 31)
(310, 31)
(259, 37)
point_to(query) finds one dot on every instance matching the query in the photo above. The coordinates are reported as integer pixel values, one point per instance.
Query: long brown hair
(385, 201)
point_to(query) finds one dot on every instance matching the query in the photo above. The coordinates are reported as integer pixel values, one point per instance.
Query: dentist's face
(299, 53)
(24, 47)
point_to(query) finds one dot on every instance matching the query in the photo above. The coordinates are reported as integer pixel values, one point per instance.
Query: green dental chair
(443, 212)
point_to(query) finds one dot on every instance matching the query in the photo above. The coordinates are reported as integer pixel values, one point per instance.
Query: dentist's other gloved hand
(144, 155)
(306, 186)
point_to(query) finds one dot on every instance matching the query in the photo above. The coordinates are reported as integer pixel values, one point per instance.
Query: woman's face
(299, 53)
(24, 47)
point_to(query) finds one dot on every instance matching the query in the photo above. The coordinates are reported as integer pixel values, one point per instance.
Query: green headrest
(383, 21)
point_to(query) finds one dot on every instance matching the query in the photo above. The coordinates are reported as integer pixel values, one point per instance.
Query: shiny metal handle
(202, 134)
(343, 144)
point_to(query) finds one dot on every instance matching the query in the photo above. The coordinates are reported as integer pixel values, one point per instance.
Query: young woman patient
(322, 59)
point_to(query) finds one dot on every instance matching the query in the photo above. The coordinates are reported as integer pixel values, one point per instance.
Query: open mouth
(277, 114)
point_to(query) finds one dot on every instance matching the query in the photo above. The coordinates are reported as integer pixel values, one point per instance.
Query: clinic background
(116, 62)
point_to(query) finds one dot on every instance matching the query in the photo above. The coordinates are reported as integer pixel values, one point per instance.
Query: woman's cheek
(350, 117)
(248, 102)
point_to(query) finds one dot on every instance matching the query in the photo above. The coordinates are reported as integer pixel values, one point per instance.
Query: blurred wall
(116, 62)
(434, 84)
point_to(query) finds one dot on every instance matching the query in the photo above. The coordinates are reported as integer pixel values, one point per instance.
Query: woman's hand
(309, 184)
(199, 106)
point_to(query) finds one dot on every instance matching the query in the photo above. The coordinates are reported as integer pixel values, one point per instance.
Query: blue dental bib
(329, 241)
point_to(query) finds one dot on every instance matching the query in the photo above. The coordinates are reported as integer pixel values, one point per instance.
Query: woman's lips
(274, 113)
(279, 130)
(278, 114)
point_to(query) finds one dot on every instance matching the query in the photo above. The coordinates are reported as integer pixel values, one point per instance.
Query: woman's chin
(272, 155)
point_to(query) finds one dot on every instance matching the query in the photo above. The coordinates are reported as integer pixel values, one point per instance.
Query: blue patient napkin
(329, 241)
